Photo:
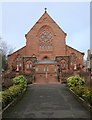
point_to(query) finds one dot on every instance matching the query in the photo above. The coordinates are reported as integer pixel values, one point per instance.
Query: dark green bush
(76, 84)
(10, 94)
(20, 80)
(87, 95)
(75, 81)
(79, 90)
(19, 83)
(6, 98)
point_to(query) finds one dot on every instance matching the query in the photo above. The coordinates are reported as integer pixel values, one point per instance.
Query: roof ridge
(39, 20)
(75, 49)
(16, 51)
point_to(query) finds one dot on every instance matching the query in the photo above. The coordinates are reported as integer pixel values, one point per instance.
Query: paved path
(47, 101)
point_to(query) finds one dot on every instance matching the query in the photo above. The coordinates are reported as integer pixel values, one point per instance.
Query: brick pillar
(60, 72)
(60, 77)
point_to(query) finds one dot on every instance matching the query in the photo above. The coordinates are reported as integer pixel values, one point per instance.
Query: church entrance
(46, 71)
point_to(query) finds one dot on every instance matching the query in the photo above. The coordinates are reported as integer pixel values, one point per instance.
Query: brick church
(45, 54)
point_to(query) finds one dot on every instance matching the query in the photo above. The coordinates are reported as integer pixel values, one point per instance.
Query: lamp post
(0, 67)
(91, 65)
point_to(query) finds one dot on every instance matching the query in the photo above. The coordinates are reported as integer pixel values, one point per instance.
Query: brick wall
(58, 42)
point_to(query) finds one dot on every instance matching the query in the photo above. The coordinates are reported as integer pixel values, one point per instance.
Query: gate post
(60, 77)
(60, 73)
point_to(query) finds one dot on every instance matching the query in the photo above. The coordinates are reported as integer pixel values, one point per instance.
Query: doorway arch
(45, 58)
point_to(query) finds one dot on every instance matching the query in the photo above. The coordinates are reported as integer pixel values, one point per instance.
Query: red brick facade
(45, 51)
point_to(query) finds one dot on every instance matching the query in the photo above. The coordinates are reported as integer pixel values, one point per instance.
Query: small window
(44, 69)
(20, 64)
(40, 46)
(55, 69)
(44, 46)
(20, 58)
(30, 65)
(17, 58)
(48, 47)
(27, 66)
(47, 69)
(64, 65)
(36, 69)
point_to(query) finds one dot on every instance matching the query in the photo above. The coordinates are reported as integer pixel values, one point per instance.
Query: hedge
(19, 84)
(77, 84)
(74, 81)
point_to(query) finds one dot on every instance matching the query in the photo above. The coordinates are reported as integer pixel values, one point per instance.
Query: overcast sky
(73, 18)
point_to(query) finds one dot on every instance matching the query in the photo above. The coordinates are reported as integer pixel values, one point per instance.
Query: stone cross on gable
(45, 9)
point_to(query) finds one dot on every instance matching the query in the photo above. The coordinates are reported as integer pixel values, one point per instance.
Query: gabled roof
(75, 49)
(46, 14)
(16, 51)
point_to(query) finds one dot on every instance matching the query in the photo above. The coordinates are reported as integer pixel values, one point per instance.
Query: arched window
(45, 58)
(27, 66)
(63, 64)
(20, 64)
(45, 36)
(73, 58)
(18, 58)
(30, 65)
(18, 61)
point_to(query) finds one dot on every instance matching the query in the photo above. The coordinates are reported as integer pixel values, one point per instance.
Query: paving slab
(47, 101)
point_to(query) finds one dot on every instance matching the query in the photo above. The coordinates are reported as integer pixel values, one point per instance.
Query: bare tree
(3, 46)
(5, 49)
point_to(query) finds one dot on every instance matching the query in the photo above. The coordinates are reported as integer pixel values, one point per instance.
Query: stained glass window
(45, 35)
(45, 47)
